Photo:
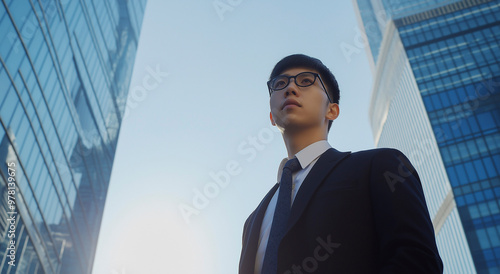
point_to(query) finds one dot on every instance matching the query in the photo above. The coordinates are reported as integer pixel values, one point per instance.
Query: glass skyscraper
(436, 97)
(65, 70)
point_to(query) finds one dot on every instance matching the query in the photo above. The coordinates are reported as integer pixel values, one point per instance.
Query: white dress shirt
(307, 158)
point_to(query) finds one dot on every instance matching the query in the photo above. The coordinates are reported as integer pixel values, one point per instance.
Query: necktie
(280, 219)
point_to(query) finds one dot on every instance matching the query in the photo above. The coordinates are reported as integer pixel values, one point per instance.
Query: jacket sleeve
(245, 228)
(402, 222)
(246, 265)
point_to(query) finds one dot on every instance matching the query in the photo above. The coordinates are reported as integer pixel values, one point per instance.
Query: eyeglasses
(303, 79)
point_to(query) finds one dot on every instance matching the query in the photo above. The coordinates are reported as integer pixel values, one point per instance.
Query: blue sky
(197, 135)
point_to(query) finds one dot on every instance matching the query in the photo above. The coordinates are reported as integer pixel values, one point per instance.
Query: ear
(333, 111)
(272, 120)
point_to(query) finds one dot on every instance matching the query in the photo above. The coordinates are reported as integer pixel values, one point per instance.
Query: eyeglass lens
(303, 79)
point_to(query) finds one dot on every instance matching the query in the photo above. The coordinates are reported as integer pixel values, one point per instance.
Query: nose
(292, 88)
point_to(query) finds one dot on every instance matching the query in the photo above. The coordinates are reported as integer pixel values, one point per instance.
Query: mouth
(289, 103)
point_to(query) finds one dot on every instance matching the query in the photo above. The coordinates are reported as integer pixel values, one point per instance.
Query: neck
(295, 141)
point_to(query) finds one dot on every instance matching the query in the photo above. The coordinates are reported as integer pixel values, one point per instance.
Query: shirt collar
(307, 155)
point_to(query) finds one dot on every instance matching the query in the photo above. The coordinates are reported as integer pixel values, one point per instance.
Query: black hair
(301, 60)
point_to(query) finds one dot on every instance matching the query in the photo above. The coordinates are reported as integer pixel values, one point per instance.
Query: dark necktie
(280, 219)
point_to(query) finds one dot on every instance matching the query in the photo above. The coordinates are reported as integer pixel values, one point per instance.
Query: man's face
(294, 108)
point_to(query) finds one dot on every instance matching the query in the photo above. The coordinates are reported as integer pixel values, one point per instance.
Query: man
(334, 212)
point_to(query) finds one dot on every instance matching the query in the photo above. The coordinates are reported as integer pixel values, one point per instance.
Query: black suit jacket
(360, 212)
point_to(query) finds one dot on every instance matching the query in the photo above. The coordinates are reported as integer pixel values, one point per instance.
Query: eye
(305, 79)
(280, 83)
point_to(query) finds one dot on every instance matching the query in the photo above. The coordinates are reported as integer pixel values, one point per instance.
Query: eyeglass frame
(316, 75)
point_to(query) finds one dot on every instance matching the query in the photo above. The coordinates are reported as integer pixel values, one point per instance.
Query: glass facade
(399, 119)
(372, 25)
(376, 14)
(455, 59)
(65, 68)
(451, 49)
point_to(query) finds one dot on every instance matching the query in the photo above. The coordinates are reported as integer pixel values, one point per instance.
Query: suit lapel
(325, 164)
(250, 243)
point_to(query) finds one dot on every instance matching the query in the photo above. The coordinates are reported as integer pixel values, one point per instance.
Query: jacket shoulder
(378, 153)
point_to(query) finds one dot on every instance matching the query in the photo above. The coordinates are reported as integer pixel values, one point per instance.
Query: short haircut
(304, 61)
